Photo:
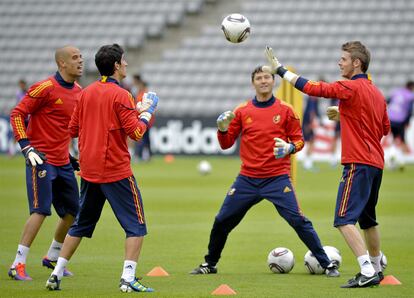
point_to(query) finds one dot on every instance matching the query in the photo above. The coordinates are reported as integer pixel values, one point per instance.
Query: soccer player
(364, 121)
(310, 115)
(45, 142)
(334, 159)
(400, 107)
(270, 132)
(103, 119)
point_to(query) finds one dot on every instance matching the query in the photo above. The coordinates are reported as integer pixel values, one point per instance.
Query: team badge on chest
(276, 119)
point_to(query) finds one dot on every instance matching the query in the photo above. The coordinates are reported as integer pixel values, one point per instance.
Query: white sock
(60, 266)
(129, 270)
(54, 250)
(21, 255)
(366, 266)
(376, 262)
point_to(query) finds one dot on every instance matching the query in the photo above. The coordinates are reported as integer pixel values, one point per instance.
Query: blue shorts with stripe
(358, 195)
(247, 192)
(47, 185)
(126, 203)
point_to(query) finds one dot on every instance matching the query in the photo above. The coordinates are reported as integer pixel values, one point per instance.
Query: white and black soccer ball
(204, 167)
(236, 27)
(281, 260)
(312, 264)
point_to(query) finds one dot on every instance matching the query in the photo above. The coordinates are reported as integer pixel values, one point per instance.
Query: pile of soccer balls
(282, 260)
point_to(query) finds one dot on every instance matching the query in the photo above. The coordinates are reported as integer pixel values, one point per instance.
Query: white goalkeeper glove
(223, 121)
(33, 157)
(274, 63)
(147, 106)
(333, 113)
(282, 148)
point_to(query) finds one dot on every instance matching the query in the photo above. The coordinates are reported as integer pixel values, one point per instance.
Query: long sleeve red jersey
(103, 119)
(50, 104)
(363, 115)
(259, 123)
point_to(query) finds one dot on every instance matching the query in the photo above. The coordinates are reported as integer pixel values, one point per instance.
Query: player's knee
(223, 225)
(297, 222)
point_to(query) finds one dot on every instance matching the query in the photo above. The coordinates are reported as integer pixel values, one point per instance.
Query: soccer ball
(236, 27)
(204, 167)
(312, 264)
(281, 260)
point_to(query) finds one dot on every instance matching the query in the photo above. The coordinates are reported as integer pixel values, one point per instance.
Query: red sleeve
(129, 117)
(34, 99)
(74, 122)
(294, 130)
(339, 89)
(227, 139)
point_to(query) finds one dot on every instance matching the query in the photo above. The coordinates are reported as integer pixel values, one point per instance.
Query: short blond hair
(358, 51)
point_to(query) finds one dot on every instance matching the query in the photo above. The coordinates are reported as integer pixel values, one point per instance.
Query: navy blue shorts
(247, 192)
(398, 130)
(337, 129)
(308, 134)
(358, 196)
(47, 185)
(125, 200)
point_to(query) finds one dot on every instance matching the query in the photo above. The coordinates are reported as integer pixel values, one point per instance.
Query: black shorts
(398, 130)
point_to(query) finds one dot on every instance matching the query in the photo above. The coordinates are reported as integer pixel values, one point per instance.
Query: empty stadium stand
(33, 29)
(206, 74)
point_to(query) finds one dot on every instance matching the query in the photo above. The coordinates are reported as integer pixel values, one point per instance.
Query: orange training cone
(158, 271)
(390, 280)
(169, 158)
(224, 290)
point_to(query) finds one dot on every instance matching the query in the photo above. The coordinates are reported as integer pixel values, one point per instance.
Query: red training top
(363, 115)
(50, 104)
(259, 123)
(102, 120)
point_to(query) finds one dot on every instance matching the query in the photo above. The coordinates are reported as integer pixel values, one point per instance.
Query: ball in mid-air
(236, 27)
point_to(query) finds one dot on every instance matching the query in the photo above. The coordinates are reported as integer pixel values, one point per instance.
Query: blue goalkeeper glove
(148, 105)
(74, 162)
(282, 148)
(33, 157)
(223, 121)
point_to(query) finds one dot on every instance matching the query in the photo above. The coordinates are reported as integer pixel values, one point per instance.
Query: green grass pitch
(180, 206)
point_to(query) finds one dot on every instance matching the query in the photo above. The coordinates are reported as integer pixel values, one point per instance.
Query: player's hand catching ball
(282, 148)
(223, 121)
(271, 58)
(333, 113)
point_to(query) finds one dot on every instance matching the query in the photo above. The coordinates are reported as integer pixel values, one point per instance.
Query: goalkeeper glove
(223, 121)
(148, 105)
(274, 63)
(74, 162)
(32, 156)
(282, 148)
(333, 113)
